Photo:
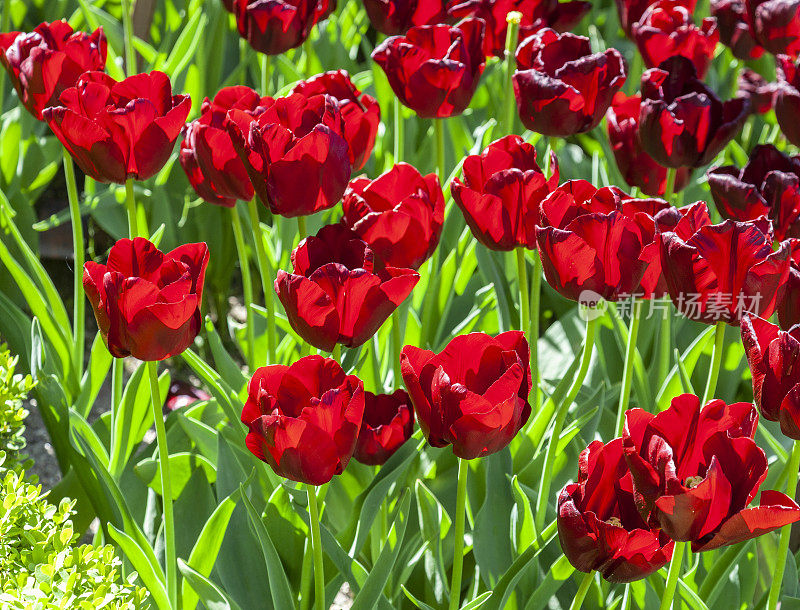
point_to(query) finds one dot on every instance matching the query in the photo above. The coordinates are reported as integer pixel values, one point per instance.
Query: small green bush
(13, 390)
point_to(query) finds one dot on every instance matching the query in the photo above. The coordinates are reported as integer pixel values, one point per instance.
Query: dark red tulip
(666, 28)
(294, 151)
(562, 88)
(146, 302)
(757, 89)
(275, 26)
(400, 214)
(182, 394)
(119, 130)
(734, 29)
(788, 307)
(388, 423)
(339, 291)
(501, 191)
(776, 25)
(769, 185)
(207, 154)
(682, 123)
(536, 14)
(637, 167)
(598, 525)
(787, 99)
(472, 395)
(724, 270)
(43, 63)
(393, 17)
(774, 357)
(304, 419)
(631, 11)
(592, 239)
(228, 4)
(695, 471)
(361, 114)
(434, 70)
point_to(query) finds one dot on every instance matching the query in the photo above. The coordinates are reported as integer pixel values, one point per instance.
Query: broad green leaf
(181, 467)
(95, 375)
(197, 587)
(150, 578)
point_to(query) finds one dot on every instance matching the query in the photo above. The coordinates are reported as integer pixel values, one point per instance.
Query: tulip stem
(533, 341)
(558, 425)
(266, 278)
(524, 295)
(166, 486)
(513, 20)
(627, 373)
(127, 26)
(398, 130)
(783, 546)
(336, 352)
(397, 348)
(130, 208)
(678, 551)
(460, 519)
(716, 361)
(247, 285)
(669, 191)
(583, 589)
(264, 74)
(316, 548)
(438, 132)
(301, 227)
(79, 304)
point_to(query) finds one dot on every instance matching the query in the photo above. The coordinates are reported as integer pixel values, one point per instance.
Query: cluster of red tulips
(687, 474)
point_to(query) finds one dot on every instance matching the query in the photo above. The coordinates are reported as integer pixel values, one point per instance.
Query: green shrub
(13, 390)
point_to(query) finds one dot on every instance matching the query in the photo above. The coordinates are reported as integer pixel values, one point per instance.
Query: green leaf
(672, 384)
(417, 602)
(152, 580)
(228, 368)
(224, 394)
(477, 602)
(184, 49)
(201, 434)
(202, 589)
(526, 531)
(492, 532)
(95, 376)
(181, 467)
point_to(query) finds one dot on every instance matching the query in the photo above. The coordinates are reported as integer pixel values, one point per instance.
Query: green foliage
(14, 388)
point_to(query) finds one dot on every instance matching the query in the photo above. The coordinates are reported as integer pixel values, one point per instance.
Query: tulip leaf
(197, 587)
(224, 394)
(94, 377)
(690, 597)
(228, 368)
(151, 579)
(201, 434)
(417, 602)
(435, 523)
(689, 358)
(477, 603)
(558, 574)
(181, 466)
(525, 528)
(492, 534)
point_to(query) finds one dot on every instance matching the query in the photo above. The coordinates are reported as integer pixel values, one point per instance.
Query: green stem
(635, 73)
(127, 27)
(533, 341)
(397, 348)
(678, 551)
(716, 361)
(301, 227)
(430, 304)
(558, 425)
(672, 173)
(398, 130)
(438, 132)
(627, 373)
(166, 486)
(79, 303)
(266, 278)
(336, 352)
(783, 546)
(264, 74)
(583, 589)
(524, 295)
(247, 285)
(305, 579)
(130, 208)
(513, 20)
(316, 548)
(664, 344)
(460, 518)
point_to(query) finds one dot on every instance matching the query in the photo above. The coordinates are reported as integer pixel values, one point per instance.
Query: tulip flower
(598, 526)
(43, 63)
(788, 307)
(339, 291)
(119, 130)
(434, 70)
(734, 29)
(695, 471)
(757, 89)
(501, 191)
(303, 419)
(393, 17)
(536, 14)
(561, 87)
(361, 113)
(146, 302)
(637, 167)
(682, 123)
(787, 99)
(631, 11)
(388, 423)
(294, 151)
(273, 27)
(769, 185)
(472, 395)
(775, 25)
(400, 214)
(666, 29)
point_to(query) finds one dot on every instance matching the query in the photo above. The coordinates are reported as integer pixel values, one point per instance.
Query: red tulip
(637, 167)
(598, 526)
(787, 98)
(392, 17)
(631, 11)
(294, 151)
(666, 28)
(682, 122)
(119, 130)
(434, 70)
(734, 30)
(388, 423)
(207, 154)
(592, 240)
(361, 114)
(473, 394)
(400, 214)
(788, 307)
(275, 26)
(776, 25)
(501, 191)
(769, 185)
(147, 303)
(303, 419)
(724, 270)
(536, 14)
(774, 357)
(562, 88)
(43, 63)
(757, 89)
(339, 292)
(695, 471)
